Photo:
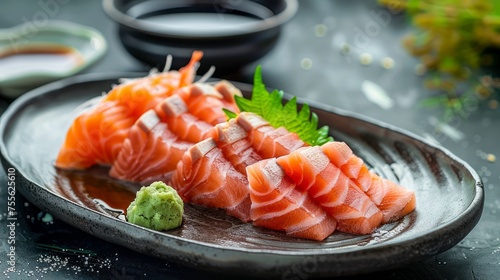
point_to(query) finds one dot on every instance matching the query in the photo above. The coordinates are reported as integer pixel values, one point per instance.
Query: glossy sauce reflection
(83, 187)
(42, 58)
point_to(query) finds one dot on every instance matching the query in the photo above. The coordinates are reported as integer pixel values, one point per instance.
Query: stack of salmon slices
(167, 127)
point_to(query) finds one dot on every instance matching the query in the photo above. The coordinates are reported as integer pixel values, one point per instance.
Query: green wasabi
(157, 207)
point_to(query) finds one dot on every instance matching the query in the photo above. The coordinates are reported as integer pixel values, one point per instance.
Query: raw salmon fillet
(158, 140)
(205, 177)
(232, 139)
(207, 102)
(311, 170)
(96, 135)
(278, 204)
(165, 127)
(341, 183)
(141, 94)
(175, 113)
(268, 141)
(332, 179)
(392, 199)
(150, 152)
(221, 162)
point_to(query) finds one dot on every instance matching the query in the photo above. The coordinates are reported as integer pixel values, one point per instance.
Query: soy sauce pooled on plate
(39, 58)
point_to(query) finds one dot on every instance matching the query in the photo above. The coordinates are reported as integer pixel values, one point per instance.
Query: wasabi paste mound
(157, 207)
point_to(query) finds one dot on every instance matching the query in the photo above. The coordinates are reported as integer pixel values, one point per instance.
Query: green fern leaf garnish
(269, 105)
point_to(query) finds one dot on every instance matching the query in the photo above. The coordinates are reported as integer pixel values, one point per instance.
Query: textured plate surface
(449, 195)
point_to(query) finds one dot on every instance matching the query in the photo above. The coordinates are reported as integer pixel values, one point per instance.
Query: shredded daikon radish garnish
(207, 75)
(125, 80)
(168, 63)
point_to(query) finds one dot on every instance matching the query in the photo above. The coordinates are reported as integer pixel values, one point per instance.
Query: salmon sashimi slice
(188, 72)
(232, 140)
(392, 199)
(142, 94)
(157, 84)
(311, 170)
(149, 153)
(229, 150)
(396, 201)
(96, 136)
(205, 177)
(173, 111)
(139, 95)
(207, 103)
(277, 204)
(228, 91)
(268, 141)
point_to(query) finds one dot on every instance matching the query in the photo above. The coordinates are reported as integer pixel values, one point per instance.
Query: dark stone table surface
(308, 62)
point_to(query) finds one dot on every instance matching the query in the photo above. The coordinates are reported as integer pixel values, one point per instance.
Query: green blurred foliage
(450, 39)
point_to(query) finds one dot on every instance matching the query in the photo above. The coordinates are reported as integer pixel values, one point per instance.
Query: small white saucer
(31, 42)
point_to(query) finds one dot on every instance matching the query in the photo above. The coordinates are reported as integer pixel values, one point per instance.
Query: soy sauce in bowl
(31, 56)
(190, 23)
(39, 58)
(230, 33)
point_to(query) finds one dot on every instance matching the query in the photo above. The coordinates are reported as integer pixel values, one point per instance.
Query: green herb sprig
(269, 105)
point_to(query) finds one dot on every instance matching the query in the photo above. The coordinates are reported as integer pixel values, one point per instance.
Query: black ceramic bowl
(231, 33)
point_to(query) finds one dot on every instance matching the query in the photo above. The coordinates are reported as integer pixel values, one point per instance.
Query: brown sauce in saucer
(39, 58)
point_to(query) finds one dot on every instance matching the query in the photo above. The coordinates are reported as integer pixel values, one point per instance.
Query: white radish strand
(207, 75)
(152, 72)
(168, 63)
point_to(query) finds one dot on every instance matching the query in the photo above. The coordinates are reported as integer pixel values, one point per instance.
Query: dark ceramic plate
(449, 196)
